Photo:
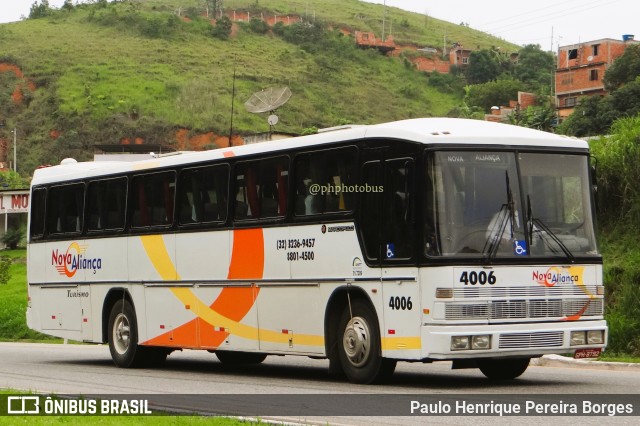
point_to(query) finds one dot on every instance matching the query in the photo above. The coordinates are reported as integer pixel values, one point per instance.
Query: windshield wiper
(545, 230)
(506, 213)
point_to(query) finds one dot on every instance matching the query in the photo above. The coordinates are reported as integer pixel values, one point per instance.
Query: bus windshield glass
(507, 205)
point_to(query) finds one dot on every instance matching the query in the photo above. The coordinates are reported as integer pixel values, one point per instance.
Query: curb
(562, 361)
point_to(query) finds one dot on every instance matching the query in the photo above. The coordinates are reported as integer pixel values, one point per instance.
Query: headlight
(459, 343)
(595, 337)
(481, 342)
(578, 338)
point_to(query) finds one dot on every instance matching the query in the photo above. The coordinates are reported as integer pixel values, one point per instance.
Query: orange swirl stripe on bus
(230, 306)
(247, 257)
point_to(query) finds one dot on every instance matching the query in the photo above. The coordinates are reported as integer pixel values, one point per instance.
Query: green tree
(541, 116)
(626, 100)
(39, 10)
(595, 114)
(68, 5)
(214, 8)
(465, 111)
(591, 117)
(483, 67)
(535, 68)
(12, 180)
(493, 93)
(624, 69)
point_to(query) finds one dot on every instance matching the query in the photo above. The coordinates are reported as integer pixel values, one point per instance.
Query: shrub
(222, 30)
(5, 263)
(258, 26)
(12, 238)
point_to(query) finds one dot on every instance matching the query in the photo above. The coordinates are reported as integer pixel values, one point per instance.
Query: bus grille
(523, 292)
(523, 309)
(530, 340)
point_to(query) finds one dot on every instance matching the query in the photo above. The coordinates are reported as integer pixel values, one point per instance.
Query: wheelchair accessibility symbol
(391, 251)
(520, 247)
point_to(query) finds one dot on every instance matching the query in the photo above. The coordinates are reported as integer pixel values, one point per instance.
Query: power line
(508, 18)
(542, 18)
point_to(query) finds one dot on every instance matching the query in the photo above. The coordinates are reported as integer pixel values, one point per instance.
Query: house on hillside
(459, 56)
(368, 40)
(580, 70)
(500, 114)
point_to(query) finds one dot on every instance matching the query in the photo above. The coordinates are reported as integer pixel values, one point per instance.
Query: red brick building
(369, 40)
(501, 113)
(459, 56)
(580, 70)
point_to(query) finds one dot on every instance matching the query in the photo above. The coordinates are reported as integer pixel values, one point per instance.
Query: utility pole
(233, 96)
(384, 15)
(444, 45)
(15, 161)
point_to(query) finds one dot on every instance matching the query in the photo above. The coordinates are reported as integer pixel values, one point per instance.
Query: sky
(517, 21)
(534, 22)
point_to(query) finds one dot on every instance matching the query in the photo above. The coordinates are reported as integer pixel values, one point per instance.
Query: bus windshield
(506, 204)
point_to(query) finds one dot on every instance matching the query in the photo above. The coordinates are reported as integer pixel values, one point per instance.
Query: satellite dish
(268, 100)
(589, 58)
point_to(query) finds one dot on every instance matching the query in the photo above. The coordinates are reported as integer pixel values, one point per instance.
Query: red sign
(14, 202)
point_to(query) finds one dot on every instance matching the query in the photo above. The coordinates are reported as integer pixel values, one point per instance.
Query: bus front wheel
(123, 336)
(360, 350)
(503, 369)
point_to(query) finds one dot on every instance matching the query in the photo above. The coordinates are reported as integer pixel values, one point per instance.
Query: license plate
(587, 353)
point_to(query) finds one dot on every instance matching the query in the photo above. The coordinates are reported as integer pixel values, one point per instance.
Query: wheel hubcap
(356, 342)
(121, 333)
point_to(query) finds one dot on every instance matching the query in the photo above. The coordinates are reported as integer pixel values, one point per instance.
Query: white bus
(417, 240)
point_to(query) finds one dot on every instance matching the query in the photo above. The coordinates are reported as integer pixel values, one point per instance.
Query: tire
(359, 345)
(503, 369)
(123, 336)
(240, 358)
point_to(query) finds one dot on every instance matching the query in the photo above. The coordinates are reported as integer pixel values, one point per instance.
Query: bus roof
(421, 130)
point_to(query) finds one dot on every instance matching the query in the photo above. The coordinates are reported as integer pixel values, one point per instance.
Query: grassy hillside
(135, 69)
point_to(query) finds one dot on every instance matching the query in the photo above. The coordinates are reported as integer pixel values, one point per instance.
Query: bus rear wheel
(123, 336)
(503, 369)
(360, 350)
(239, 358)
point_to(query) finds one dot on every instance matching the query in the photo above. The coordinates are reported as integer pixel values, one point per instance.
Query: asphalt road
(191, 380)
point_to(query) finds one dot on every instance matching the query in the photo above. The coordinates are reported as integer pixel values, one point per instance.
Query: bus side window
(203, 194)
(320, 178)
(65, 207)
(398, 209)
(431, 246)
(106, 204)
(261, 189)
(370, 210)
(153, 199)
(38, 203)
